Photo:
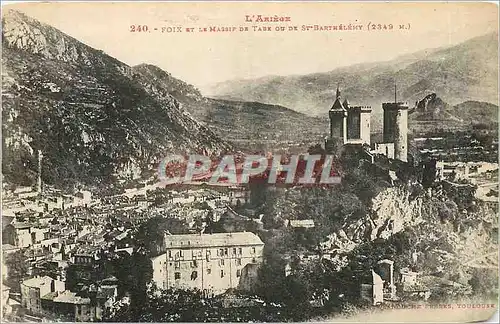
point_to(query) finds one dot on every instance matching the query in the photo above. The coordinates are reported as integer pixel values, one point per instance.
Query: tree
(133, 272)
(17, 269)
(150, 234)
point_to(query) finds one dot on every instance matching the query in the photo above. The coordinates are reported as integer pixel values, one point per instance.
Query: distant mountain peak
(24, 33)
(90, 114)
(458, 73)
(431, 103)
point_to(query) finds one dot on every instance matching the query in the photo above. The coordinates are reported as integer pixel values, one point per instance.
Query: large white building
(212, 263)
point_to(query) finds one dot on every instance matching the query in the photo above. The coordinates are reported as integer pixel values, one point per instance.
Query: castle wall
(389, 123)
(338, 125)
(396, 128)
(365, 129)
(386, 149)
(401, 135)
(353, 124)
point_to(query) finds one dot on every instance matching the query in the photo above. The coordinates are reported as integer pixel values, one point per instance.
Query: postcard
(249, 161)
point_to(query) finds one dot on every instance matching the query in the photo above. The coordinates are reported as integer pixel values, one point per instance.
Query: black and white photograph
(249, 161)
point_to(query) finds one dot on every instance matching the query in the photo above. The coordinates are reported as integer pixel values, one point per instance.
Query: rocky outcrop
(392, 211)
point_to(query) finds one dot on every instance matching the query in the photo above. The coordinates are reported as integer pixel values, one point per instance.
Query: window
(240, 250)
(194, 275)
(177, 275)
(238, 262)
(177, 264)
(222, 273)
(253, 260)
(238, 273)
(253, 249)
(221, 262)
(234, 251)
(194, 264)
(180, 253)
(209, 271)
(221, 252)
(169, 253)
(225, 251)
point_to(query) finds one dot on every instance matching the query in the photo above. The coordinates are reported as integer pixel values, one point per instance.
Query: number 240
(138, 28)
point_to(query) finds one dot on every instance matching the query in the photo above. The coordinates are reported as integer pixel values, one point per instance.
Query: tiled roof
(21, 225)
(337, 105)
(50, 296)
(302, 223)
(69, 297)
(209, 240)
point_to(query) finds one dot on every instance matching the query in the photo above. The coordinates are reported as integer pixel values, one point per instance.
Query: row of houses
(47, 296)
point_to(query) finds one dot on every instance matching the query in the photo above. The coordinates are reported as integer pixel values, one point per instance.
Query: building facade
(32, 291)
(212, 263)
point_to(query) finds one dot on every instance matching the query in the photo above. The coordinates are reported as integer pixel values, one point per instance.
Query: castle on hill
(350, 125)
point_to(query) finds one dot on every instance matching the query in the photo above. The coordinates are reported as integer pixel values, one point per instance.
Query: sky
(205, 58)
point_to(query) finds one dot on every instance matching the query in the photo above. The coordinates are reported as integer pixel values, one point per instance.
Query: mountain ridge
(238, 121)
(92, 117)
(463, 72)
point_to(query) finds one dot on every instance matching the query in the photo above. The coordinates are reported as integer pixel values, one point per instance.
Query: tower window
(238, 273)
(194, 275)
(177, 275)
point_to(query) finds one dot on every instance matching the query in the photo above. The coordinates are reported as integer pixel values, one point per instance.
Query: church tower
(338, 120)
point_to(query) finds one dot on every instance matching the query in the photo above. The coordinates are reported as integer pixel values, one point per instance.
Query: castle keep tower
(338, 120)
(396, 128)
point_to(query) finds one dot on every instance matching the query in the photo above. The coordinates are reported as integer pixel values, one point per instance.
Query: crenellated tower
(396, 128)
